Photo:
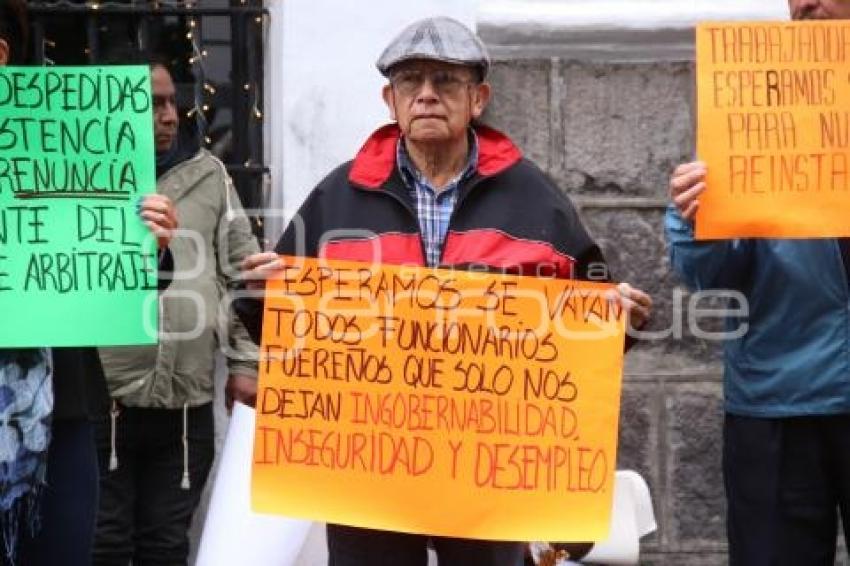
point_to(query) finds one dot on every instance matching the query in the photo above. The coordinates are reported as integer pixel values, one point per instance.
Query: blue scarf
(26, 405)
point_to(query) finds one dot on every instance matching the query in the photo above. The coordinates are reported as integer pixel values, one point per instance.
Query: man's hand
(257, 268)
(158, 214)
(242, 388)
(686, 185)
(636, 303)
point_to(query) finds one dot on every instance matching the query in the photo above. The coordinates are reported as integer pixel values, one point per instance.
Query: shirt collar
(413, 176)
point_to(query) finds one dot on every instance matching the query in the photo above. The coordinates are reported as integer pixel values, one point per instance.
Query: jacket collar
(185, 177)
(376, 160)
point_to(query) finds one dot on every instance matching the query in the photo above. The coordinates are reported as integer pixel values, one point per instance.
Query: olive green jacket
(195, 319)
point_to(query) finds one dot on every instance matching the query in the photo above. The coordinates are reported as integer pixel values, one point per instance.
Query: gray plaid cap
(436, 39)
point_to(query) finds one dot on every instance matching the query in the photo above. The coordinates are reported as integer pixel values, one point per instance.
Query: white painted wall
(324, 92)
(629, 14)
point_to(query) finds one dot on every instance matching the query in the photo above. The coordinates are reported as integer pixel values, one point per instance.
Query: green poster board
(77, 265)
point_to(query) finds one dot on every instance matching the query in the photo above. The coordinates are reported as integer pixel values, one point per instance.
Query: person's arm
(717, 264)
(234, 242)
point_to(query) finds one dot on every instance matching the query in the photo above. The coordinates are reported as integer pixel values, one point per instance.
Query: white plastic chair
(632, 518)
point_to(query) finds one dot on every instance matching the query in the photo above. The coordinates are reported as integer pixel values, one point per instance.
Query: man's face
(433, 101)
(819, 9)
(164, 108)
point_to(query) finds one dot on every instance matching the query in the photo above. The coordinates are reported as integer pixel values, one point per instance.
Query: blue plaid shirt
(434, 209)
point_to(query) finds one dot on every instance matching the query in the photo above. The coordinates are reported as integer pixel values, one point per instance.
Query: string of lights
(196, 63)
(204, 92)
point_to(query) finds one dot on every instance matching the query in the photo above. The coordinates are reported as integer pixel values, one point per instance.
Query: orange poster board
(440, 402)
(774, 129)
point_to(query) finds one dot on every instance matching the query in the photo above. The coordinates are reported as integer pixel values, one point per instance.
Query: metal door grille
(215, 50)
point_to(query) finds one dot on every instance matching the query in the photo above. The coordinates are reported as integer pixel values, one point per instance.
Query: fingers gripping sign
(158, 213)
(257, 268)
(686, 185)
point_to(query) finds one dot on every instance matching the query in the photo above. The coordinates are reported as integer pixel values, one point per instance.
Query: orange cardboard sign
(774, 129)
(440, 402)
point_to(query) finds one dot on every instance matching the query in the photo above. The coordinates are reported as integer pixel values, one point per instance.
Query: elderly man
(436, 188)
(786, 455)
(157, 448)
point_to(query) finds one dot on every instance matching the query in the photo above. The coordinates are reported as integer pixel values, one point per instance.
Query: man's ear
(480, 99)
(389, 99)
(4, 52)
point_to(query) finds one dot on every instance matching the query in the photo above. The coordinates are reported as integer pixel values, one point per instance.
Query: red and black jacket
(509, 217)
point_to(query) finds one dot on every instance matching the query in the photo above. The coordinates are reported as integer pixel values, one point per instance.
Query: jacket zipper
(413, 216)
(461, 198)
(843, 269)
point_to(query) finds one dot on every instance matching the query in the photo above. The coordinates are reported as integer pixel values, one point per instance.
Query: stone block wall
(610, 133)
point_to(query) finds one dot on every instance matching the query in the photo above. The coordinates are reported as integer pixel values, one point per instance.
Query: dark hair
(159, 60)
(127, 54)
(14, 29)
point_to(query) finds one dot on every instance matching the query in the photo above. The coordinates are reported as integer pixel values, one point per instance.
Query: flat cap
(436, 39)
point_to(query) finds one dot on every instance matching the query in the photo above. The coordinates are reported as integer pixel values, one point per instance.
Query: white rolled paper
(631, 519)
(233, 534)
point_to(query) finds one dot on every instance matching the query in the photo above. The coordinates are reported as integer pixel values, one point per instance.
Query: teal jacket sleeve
(716, 264)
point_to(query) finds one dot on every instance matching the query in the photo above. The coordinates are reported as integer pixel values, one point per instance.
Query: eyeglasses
(445, 83)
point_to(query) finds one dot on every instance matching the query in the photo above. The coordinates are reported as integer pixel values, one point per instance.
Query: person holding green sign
(786, 432)
(157, 449)
(48, 464)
